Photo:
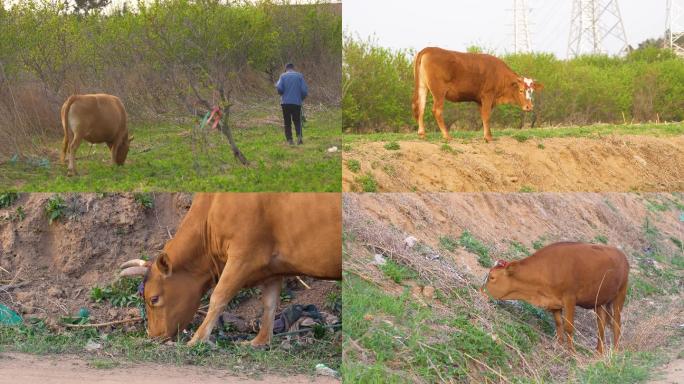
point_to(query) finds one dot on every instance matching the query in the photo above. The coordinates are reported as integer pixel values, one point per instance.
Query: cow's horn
(133, 263)
(133, 271)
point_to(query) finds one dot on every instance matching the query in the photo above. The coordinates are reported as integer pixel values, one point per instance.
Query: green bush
(54, 208)
(644, 86)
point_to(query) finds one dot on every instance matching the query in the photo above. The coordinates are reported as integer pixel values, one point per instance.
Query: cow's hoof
(488, 139)
(421, 135)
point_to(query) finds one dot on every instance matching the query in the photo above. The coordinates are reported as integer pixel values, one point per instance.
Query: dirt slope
(647, 227)
(57, 264)
(21, 368)
(611, 164)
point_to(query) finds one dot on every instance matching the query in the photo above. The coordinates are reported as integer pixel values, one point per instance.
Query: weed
(517, 249)
(368, 183)
(447, 242)
(353, 165)
(397, 272)
(55, 208)
(521, 137)
(526, 189)
(7, 198)
(121, 293)
(601, 239)
(627, 367)
(20, 214)
(474, 245)
(446, 148)
(539, 243)
(392, 146)
(103, 363)
(541, 146)
(146, 200)
(678, 243)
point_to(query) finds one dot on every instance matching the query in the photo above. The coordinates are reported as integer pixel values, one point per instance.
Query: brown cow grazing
(457, 76)
(97, 118)
(231, 241)
(562, 275)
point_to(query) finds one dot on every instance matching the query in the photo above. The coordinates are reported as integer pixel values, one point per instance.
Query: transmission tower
(592, 23)
(521, 32)
(674, 26)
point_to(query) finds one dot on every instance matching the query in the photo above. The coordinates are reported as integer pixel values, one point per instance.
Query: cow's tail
(65, 124)
(417, 80)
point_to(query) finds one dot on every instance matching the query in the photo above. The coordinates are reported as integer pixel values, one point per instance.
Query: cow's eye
(154, 299)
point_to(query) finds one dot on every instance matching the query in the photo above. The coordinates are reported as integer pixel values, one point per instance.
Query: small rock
(410, 241)
(429, 292)
(92, 346)
(332, 149)
(378, 259)
(324, 370)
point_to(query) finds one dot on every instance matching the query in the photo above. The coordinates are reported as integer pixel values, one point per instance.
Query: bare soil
(56, 265)
(609, 164)
(672, 373)
(29, 369)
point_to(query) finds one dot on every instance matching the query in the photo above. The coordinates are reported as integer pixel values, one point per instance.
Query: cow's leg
(601, 318)
(616, 322)
(559, 325)
(485, 112)
(438, 112)
(422, 99)
(73, 147)
(569, 321)
(270, 297)
(229, 284)
(65, 147)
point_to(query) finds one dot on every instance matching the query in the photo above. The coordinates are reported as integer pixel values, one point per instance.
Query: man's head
(289, 66)
(171, 295)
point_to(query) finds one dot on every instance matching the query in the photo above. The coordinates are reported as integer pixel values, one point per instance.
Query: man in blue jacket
(292, 90)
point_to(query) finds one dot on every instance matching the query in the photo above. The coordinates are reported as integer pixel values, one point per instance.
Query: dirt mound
(647, 227)
(613, 163)
(51, 268)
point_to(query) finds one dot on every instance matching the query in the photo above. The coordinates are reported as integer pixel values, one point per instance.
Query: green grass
(469, 242)
(145, 199)
(397, 272)
(7, 198)
(601, 239)
(620, 368)
(162, 159)
(592, 131)
(136, 347)
(392, 146)
(55, 207)
(353, 165)
(447, 242)
(367, 183)
(121, 293)
(404, 342)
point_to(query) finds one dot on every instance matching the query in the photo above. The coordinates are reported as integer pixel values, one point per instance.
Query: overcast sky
(457, 24)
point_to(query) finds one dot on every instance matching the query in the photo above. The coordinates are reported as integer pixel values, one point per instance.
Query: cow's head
(172, 294)
(523, 90)
(121, 150)
(499, 282)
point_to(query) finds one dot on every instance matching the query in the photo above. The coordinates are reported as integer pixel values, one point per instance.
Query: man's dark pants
(292, 112)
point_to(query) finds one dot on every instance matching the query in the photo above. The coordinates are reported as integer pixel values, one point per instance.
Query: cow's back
(303, 229)
(98, 117)
(592, 273)
(463, 76)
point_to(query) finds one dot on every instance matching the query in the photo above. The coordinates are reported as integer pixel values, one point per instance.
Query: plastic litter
(8, 316)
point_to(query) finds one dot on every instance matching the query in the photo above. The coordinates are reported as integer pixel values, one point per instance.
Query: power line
(521, 32)
(592, 22)
(674, 26)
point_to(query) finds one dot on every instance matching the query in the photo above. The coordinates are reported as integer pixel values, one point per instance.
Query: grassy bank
(176, 157)
(591, 131)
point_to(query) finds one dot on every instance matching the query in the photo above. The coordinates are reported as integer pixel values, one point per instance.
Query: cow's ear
(164, 264)
(537, 86)
(510, 268)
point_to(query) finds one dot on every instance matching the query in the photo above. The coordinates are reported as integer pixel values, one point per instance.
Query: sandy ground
(610, 164)
(672, 373)
(29, 369)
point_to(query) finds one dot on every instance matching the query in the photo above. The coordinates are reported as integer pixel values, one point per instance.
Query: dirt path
(608, 164)
(672, 373)
(30, 369)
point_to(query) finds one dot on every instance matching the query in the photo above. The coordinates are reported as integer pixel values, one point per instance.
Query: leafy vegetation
(397, 272)
(146, 200)
(378, 88)
(469, 242)
(392, 146)
(55, 207)
(353, 165)
(447, 242)
(121, 293)
(7, 198)
(368, 183)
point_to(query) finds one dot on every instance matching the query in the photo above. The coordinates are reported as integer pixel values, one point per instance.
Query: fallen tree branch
(97, 325)
(303, 283)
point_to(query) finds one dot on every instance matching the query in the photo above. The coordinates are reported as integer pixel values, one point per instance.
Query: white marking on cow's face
(528, 88)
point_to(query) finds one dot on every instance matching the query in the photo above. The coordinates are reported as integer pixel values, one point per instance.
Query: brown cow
(97, 118)
(562, 275)
(457, 76)
(230, 241)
